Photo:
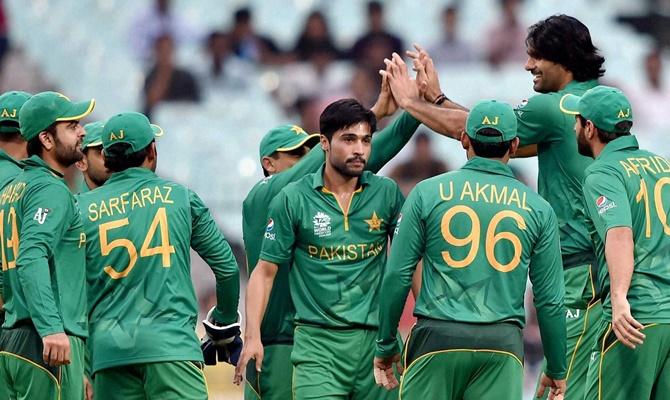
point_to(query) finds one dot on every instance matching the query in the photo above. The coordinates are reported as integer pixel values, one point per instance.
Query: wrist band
(440, 99)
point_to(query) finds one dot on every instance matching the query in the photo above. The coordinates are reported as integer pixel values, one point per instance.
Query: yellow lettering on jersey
(664, 163)
(146, 196)
(514, 197)
(479, 191)
(335, 252)
(324, 254)
(93, 212)
(124, 201)
(646, 165)
(523, 203)
(114, 204)
(166, 196)
(451, 192)
(351, 252)
(104, 211)
(82, 239)
(498, 197)
(312, 250)
(467, 190)
(136, 201)
(634, 163)
(629, 169)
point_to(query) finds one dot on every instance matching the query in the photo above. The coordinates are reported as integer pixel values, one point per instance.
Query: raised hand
(422, 63)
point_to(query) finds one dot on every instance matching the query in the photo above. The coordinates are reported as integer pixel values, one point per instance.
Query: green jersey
(629, 187)
(9, 169)
(142, 304)
(43, 253)
(481, 233)
(561, 167)
(337, 258)
(277, 325)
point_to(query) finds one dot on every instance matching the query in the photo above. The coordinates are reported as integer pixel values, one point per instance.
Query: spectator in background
(650, 99)
(156, 21)
(222, 69)
(315, 38)
(4, 34)
(422, 165)
(249, 45)
(451, 49)
(377, 42)
(506, 40)
(165, 81)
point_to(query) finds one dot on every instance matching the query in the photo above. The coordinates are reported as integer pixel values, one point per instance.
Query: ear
(465, 140)
(82, 165)
(325, 144)
(589, 130)
(514, 146)
(47, 140)
(268, 164)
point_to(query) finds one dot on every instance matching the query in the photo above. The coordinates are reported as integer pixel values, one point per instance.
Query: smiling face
(349, 149)
(548, 76)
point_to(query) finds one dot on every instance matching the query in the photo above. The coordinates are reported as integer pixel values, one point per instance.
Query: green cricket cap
(132, 128)
(492, 114)
(286, 138)
(605, 106)
(43, 109)
(10, 104)
(93, 137)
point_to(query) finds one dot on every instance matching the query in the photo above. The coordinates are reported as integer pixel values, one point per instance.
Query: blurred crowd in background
(183, 61)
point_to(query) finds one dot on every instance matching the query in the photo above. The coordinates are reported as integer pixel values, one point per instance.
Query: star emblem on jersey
(321, 223)
(374, 223)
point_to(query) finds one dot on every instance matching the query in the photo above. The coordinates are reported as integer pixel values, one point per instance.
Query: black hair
(375, 7)
(35, 147)
(487, 149)
(9, 131)
(116, 159)
(565, 40)
(622, 128)
(242, 15)
(343, 114)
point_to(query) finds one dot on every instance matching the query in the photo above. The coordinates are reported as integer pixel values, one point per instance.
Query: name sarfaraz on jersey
(130, 201)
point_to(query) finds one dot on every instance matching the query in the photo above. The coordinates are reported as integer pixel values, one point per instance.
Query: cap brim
(313, 139)
(92, 144)
(77, 111)
(158, 131)
(569, 104)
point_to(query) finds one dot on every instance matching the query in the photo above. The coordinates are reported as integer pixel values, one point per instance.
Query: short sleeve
(606, 202)
(279, 236)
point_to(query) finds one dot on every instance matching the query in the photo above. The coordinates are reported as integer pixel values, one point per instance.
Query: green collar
(132, 173)
(620, 143)
(317, 179)
(489, 166)
(7, 157)
(576, 84)
(37, 162)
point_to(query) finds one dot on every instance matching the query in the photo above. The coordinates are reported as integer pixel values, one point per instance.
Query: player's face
(547, 75)
(349, 149)
(69, 135)
(285, 160)
(95, 166)
(582, 143)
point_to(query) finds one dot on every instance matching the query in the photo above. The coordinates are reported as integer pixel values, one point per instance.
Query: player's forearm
(452, 105)
(227, 289)
(551, 320)
(445, 121)
(389, 141)
(620, 260)
(258, 293)
(526, 151)
(35, 280)
(393, 294)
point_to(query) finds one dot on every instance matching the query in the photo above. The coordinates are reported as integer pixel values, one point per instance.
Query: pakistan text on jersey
(129, 201)
(487, 193)
(648, 165)
(345, 252)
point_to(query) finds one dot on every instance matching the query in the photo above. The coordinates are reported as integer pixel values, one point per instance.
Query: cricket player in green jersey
(43, 258)
(627, 198)
(142, 304)
(92, 166)
(12, 148)
(481, 233)
(333, 227)
(285, 158)
(562, 60)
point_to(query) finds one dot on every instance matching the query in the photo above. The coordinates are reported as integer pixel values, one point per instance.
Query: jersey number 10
(165, 249)
(658, 201)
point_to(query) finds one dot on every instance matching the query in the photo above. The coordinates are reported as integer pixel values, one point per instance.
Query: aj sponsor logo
(604, 204)
(397, 225)
(321, 223)
(269, 230)
(41, 215)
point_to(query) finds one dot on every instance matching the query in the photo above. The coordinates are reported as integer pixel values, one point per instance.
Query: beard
(68, 155)
(583, 146)
(347, 169)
